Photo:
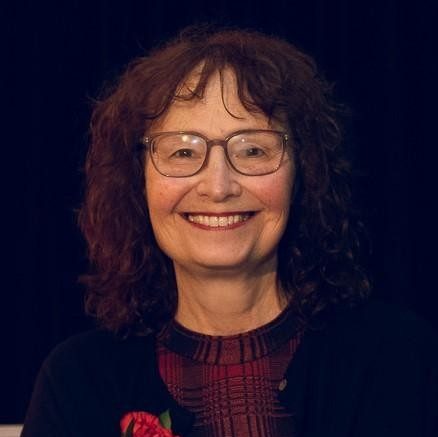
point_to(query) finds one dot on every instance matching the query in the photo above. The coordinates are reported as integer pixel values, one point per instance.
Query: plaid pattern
(231, 383)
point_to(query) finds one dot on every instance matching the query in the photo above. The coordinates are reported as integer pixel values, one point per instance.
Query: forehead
(219, 106)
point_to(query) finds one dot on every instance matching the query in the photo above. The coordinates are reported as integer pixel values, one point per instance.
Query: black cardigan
(370, 372)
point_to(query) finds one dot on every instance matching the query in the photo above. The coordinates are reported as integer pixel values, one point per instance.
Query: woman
(225, 263)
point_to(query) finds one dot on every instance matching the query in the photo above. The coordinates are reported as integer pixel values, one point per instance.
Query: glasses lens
(256, 153)
(178, 154)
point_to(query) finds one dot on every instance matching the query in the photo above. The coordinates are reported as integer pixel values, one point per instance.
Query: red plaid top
(231, 382)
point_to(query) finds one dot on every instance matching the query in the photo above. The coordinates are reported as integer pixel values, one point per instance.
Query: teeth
(223, 221)
(217, 221)
(213, 221)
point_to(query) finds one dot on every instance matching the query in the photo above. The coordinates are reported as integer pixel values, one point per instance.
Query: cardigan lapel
(151, 393)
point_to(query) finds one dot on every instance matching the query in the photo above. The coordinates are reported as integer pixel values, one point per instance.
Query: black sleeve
(401, 388)
(44, 415)
(78, 390)
(372, 373)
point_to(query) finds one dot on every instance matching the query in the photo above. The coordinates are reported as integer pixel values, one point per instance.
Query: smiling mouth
(222, 221)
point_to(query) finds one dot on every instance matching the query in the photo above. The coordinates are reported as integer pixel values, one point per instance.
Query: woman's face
(259, 205)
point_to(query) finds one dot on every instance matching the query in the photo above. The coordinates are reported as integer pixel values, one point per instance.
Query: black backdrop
(56, 56)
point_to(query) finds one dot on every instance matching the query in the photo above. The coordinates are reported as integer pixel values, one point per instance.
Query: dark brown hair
(131, 286)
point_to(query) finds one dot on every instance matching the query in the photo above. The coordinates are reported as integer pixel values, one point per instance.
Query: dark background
(56, 57)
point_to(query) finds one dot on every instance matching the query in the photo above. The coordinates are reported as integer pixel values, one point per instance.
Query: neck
(220, 304)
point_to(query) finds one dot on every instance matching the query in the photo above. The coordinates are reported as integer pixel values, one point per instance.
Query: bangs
(261, 85)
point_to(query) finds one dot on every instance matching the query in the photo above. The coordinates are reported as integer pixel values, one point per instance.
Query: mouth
(221, 221)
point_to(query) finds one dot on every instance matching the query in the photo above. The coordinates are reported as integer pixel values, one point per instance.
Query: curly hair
(131, 287)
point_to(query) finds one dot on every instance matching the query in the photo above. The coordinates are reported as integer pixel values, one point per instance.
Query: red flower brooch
(142, 424)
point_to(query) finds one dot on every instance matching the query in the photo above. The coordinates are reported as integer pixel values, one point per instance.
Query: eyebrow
(207, 136)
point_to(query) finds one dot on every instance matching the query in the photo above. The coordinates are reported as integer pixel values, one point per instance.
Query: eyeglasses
(249, 152)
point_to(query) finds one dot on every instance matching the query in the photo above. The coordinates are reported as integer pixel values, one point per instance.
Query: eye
(250, 151)
(184, 153)
(254, 152)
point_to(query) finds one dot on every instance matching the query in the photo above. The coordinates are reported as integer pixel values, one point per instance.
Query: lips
(223, 220)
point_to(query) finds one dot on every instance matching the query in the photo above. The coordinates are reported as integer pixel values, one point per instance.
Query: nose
(218, 180)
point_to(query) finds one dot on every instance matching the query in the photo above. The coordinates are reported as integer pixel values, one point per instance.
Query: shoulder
(88, 381)
(384, 352)
(375, 340)
(375, 314)
(365, 369)
(383, 324)
(96, 342)
(100, 358)
(98, 345)
(98, 368)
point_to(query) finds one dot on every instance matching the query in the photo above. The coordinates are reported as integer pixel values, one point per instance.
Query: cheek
(276, 193)
(162, 194)
(278, 197)
(155, 190)
(159, 200)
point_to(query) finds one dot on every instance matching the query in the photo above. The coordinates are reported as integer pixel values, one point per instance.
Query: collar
(231, 349)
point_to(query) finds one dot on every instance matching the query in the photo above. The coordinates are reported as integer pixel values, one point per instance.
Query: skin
(226, 277)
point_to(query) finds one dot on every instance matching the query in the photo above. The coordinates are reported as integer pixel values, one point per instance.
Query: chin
(236, 264)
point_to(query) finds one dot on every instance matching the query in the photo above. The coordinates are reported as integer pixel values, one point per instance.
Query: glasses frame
(147, 142)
